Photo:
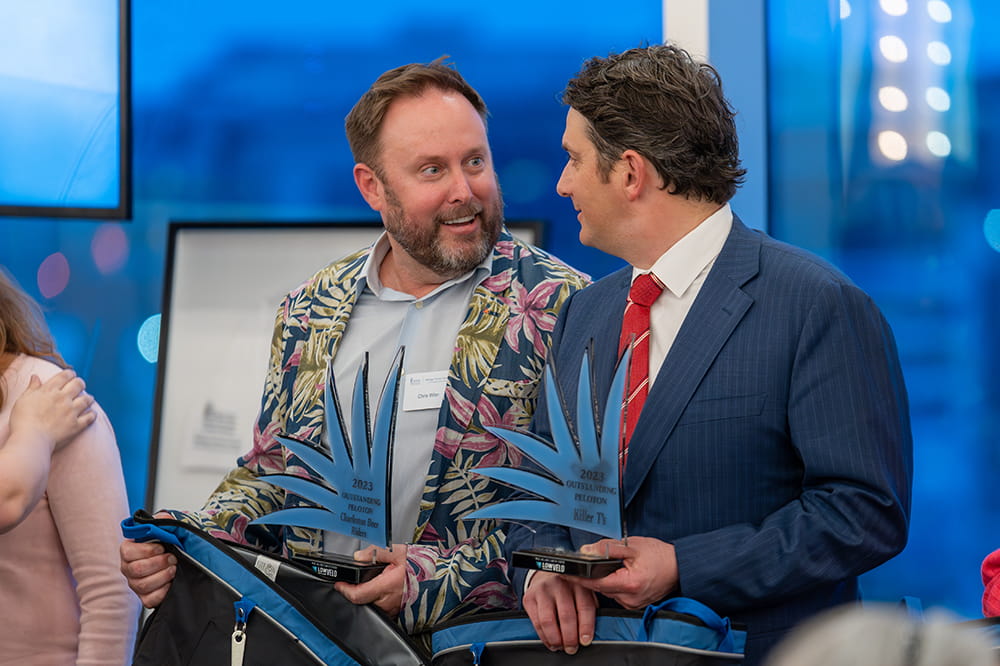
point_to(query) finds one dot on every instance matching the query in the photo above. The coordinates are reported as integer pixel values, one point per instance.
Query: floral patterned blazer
(455, 567)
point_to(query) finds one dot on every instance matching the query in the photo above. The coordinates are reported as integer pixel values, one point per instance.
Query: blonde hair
(22, 328)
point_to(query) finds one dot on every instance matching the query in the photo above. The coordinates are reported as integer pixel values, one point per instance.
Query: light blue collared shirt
(382, 321)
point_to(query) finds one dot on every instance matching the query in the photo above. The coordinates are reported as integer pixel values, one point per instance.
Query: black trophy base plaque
(340, 567)
(565, 562)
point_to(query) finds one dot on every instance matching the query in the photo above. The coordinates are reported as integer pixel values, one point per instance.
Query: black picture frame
(122, 209)
(191, 362)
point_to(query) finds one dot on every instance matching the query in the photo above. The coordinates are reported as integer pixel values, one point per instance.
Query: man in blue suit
(771, 464)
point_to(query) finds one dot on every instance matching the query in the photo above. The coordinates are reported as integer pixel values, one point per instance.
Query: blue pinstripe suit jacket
(774, 449)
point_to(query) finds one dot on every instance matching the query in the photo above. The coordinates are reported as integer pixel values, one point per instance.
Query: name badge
(424, 390)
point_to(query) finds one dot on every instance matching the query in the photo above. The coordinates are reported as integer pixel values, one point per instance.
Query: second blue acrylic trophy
(580, 485)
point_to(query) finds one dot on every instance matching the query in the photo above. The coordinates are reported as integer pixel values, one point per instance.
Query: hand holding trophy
(352, 487)
(580, 485)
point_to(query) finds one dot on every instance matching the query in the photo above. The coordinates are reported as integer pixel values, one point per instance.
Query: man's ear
(369, 185)
(637, 173)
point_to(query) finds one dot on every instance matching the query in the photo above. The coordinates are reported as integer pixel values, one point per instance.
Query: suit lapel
(607, 332)
(713, 317)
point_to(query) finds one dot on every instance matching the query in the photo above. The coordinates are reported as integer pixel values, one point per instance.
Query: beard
(423, 242)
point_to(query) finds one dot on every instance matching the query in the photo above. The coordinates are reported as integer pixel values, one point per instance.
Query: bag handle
(699, 610)
(913, 607)
(143, 532)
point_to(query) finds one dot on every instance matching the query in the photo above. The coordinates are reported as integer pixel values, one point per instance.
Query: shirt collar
(370, 279)
(678, 267)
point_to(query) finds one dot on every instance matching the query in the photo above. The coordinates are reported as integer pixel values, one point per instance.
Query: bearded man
(474, 309)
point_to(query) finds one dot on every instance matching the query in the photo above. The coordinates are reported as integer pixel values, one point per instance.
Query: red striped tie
(635, 331)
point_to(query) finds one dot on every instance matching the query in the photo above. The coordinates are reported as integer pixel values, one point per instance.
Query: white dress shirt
(682, 270)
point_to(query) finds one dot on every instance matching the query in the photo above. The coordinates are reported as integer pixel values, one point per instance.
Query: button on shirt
(382, 321)
(682, 270)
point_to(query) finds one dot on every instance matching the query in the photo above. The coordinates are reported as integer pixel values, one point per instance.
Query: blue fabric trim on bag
(267, 599)
(243, 608)
(508, 629)
(143, 532)
(726, 641)
(477, 652)
(719, 636)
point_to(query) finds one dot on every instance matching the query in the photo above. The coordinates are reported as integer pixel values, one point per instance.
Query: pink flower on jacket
(504, 248)
(495, 450)
(501, 453)
(497, 284)
(295, 359)
(266, 456)
(492, 596)
(422, 561)
(528, 314)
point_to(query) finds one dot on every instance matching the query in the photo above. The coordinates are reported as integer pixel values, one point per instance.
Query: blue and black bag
(230, 604)
(677, 632)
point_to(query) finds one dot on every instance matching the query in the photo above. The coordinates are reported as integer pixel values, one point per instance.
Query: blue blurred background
(238, 114)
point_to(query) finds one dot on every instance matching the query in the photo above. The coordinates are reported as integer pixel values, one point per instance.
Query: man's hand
(149, 569)
(384, 590)
(649, 574)
(562, 612)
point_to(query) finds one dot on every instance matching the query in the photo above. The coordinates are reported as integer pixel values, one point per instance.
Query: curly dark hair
(364, 122)
(659, 102)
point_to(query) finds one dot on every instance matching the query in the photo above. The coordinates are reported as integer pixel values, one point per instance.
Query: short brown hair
(22, 328)
(364, 122)
(658, 101)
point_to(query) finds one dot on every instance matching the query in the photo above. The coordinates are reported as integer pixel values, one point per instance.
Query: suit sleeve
(848, 422)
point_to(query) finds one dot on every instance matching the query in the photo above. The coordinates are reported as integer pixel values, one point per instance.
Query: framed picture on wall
(223, 284)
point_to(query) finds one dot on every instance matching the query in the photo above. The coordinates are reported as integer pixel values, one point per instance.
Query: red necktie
(635, 326)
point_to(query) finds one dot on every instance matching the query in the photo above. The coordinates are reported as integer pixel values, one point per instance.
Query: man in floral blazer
(424, 163)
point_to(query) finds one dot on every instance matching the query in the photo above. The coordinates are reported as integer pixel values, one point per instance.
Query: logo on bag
(267, 566)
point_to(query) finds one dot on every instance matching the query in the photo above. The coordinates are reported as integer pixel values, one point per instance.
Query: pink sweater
(63, 599)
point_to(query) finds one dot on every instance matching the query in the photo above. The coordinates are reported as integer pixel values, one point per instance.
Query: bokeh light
(109, 248)
(894, 7)
(892, 145)
(892, 98)
(53, 275)
(939, 53)
(845, 9)
(939, 11)
(893, 48)
(148, 339)
(991, 229)
(939, 144)
(938, 98)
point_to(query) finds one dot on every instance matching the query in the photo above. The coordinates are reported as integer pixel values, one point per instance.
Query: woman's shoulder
(24, 366)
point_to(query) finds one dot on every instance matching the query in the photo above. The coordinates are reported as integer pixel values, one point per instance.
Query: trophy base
(565, 562)
(340, 567)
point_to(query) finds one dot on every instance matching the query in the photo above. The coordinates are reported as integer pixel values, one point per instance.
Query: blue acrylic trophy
(580, 485)
(353, 476)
